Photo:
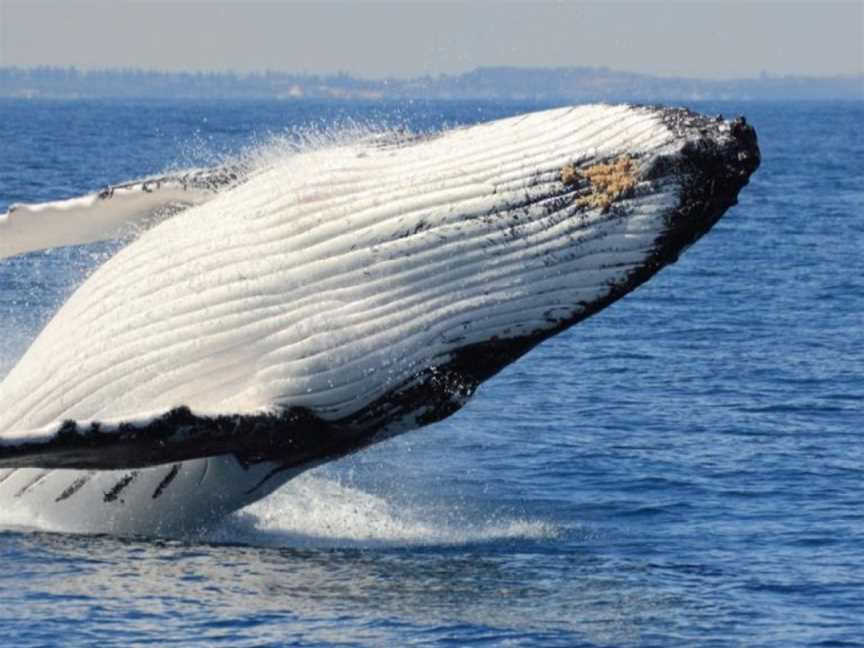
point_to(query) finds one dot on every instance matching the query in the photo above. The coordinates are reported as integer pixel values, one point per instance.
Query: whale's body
(332, 300)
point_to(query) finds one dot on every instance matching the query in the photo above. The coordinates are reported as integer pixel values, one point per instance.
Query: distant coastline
(490, 83)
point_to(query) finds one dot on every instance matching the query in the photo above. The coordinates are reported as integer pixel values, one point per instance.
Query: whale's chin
(299, 312)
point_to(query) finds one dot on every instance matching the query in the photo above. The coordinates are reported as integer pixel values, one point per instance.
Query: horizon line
(763, 74)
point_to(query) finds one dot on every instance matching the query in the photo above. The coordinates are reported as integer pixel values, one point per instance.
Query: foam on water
(314, 510)
(321, 512)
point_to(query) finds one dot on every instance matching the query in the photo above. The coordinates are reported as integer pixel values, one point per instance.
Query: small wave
(315, 511)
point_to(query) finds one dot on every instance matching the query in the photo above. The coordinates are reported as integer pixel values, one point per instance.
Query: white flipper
(112, 213)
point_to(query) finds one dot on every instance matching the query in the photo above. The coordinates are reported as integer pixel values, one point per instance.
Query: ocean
(685, 468)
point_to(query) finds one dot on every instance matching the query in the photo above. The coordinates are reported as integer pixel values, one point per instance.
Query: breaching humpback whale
(280, 318)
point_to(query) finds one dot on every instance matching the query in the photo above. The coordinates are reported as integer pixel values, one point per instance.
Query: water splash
(271, 148)
(322, 511)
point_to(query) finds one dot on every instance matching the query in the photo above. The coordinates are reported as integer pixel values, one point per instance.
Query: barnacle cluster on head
(608, 181)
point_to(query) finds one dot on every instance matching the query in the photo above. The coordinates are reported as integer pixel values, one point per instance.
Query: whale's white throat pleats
(333, 299)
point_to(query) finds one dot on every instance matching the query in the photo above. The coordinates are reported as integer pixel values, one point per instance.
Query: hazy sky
(696, 38)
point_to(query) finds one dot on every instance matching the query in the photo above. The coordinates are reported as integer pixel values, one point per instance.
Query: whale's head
(362, 290)
(613, 202)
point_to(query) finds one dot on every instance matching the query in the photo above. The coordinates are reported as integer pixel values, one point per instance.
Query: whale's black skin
(713, 173)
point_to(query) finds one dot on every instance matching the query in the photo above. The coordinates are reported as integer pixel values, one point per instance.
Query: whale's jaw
(461, 275)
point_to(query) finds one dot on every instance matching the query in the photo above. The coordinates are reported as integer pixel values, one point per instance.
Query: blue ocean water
(685, 468)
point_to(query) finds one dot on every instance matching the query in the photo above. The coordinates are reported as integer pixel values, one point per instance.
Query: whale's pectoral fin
(291, 437)
(113, 212)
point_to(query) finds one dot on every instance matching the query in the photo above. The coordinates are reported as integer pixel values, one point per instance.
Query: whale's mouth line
(288, 437)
